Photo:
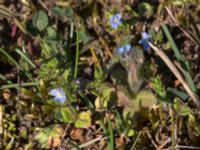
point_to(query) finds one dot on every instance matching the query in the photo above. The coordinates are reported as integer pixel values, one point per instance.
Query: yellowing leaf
(181, 108)
(146, 99)
(100, 103)
(130, 133)
(84, 120)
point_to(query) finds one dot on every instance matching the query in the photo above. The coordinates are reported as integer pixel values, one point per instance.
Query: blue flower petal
(146, 47)
(54, 92)
(142, 41)
(145, 40)
(120, 50)
(62, 99)
(119, 23)
(59, 95)
(115, 20)
(118, 16)
(61, 91)
(127, 47)
(114, 25)
(112, 19)
(145, 35)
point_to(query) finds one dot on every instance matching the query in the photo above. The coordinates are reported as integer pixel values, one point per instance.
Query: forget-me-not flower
(145, 40)
(115, 20)
(59, 95)
(124, 49)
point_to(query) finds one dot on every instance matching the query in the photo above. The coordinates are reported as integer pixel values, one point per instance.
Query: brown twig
(63, 136)
(151, 139)
(175, 71)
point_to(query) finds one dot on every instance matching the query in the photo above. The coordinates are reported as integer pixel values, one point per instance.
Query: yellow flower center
(59, 95)
(115, 20)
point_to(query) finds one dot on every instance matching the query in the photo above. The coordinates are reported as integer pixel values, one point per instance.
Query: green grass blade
(2, 77)
(195, 26)
(77, 54)
(180, 58)
(23, 56)
(10, 59)
(16, 85)
(194, 36)
(111, 135)
(173, 44)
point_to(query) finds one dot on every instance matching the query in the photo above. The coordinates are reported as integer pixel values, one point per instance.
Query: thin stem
(173, 128)
(77, 54)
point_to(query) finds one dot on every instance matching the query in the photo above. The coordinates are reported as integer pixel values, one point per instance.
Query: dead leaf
(77, 134)
(6, 94)
(119, 142)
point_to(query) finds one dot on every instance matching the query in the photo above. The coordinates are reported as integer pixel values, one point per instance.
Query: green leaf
(172, 92)
(157, 85)
(58, 11)
(197, 128)
(181, 108)
(42, 138)
(29, 93)
(40, 20)
(52, 34)
(145, 9)
(69, 11)
(45, 135)
(105, 97)
(130, 133)
(146, 99)
(83, 37)
(84, 120)
(67, 115)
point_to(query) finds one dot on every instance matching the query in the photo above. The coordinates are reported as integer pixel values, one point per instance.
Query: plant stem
(77, 54)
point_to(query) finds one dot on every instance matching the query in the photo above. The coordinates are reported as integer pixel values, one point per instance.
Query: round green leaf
(40, 20)
(145, 9)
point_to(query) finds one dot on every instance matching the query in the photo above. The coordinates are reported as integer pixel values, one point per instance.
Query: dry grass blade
(175, 21)
(5, 12)
(175, 71)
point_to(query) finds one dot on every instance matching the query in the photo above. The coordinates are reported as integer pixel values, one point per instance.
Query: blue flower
(115, 20)
(125, 49)
(59, 95)
(145, 40)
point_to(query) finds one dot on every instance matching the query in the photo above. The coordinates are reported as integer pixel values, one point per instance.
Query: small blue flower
(115, 20)
(59, 95)
(125, 49)
(145, 40)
